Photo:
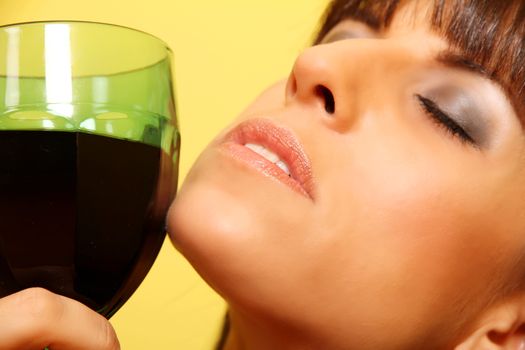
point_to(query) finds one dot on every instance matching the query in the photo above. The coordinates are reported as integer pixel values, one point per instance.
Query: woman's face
(403, 211)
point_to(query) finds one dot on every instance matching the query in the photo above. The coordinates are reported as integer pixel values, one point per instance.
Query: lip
(279, 140)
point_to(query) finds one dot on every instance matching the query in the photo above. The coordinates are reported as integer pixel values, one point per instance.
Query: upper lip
(282, 142)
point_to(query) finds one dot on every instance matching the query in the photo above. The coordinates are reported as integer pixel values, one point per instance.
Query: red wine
(81, 214)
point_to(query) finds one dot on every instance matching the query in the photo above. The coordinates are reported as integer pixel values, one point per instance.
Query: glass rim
(67, 21)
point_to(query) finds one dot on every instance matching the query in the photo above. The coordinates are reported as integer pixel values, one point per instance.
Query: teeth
(283, 166)
(261, 150)
(266, 153)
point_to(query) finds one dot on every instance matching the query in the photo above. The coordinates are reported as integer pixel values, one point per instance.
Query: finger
(36, 318)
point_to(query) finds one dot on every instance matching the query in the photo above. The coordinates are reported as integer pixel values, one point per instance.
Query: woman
(373, 200)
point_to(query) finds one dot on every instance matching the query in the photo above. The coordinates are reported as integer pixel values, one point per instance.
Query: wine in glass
(89, 150)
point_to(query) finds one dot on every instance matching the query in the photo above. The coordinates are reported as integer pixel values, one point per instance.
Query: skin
(35, 319)
(413, 237)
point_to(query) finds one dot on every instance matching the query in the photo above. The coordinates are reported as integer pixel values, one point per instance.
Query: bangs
(488, 33)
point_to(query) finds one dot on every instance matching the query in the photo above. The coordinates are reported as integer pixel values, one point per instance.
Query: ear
(500, 328)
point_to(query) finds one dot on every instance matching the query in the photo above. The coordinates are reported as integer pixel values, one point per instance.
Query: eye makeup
(349, 29)
(462, 109)
(340, 35)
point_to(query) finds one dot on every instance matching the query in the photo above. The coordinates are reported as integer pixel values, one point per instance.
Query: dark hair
(487, 33)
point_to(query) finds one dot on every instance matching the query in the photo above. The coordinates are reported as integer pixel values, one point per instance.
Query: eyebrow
(458, 61)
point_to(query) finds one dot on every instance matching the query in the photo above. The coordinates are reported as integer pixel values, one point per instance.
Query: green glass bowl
(89, 147)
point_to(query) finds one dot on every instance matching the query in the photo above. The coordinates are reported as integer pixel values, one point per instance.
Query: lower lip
(257, 162)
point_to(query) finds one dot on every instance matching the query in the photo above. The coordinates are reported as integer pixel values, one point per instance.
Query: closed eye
(444, 120)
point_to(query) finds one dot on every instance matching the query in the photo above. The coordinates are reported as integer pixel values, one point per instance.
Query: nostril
(328, 98)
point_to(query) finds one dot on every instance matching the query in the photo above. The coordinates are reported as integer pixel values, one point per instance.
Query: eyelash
(443, 120)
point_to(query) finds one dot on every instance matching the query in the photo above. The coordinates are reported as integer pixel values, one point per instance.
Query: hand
(35, 318)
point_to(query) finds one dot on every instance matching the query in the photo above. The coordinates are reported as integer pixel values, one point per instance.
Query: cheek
(425, 234)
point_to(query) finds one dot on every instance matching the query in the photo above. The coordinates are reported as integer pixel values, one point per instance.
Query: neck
(252, 333)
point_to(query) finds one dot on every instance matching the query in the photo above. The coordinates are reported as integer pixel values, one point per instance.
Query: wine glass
(89, 148)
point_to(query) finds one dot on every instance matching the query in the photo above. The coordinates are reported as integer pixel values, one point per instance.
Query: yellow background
(226, 52)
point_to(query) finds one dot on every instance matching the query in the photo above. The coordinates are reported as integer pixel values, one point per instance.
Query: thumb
(35, 318)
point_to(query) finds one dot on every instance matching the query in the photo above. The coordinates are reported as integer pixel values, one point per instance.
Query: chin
(201, 231)
(228, 225)
(209, 222)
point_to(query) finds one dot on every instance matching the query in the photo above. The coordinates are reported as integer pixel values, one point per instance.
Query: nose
(317, 81)
(344, 80)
